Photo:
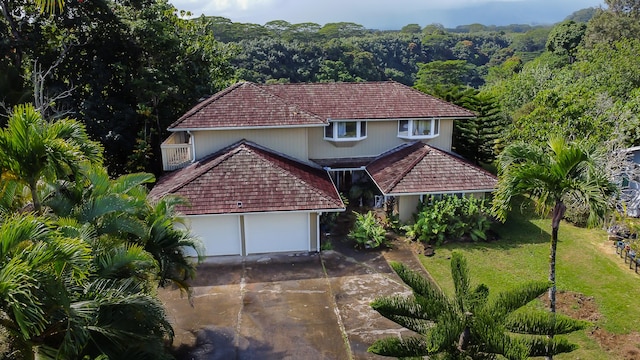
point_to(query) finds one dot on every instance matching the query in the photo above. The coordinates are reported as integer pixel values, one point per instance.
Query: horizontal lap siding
(381, 137)
(292, 141)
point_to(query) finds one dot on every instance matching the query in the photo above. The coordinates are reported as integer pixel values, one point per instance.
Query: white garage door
(266, 233)
(220, 234)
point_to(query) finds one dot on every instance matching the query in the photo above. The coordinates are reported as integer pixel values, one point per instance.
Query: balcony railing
(177, 151)
(176, 156)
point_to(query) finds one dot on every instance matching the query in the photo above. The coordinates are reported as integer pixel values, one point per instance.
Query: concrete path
(294, 306)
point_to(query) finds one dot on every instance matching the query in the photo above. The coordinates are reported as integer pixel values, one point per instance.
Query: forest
(88, 88)
(105, 64)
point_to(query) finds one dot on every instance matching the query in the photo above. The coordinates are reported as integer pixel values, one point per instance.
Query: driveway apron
(294, 306)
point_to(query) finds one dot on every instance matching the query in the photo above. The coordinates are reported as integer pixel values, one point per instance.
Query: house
(261, 163)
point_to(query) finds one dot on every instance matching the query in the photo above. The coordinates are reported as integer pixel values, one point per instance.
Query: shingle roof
(419, 168)
(260, 179)
(245, 105)
(306, 104)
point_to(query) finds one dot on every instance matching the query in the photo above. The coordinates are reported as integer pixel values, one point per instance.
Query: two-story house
(260, 163)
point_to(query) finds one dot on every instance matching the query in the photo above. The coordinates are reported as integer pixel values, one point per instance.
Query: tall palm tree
(469, 325)
(34, 149)
(551, 177)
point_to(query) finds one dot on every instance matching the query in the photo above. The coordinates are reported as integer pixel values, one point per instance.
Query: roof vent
(240, 204)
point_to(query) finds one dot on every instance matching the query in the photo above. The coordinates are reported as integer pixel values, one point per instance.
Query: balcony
(176, 151)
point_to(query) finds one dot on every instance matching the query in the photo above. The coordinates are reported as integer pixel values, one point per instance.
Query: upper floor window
(345, 131)
(418, 129)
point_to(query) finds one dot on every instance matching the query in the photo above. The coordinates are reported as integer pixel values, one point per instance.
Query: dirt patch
(579, 306)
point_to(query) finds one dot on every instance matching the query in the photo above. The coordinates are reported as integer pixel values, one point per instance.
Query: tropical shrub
(450, 217)
(367, 232)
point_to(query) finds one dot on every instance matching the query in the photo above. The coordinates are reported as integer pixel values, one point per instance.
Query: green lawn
(586, 263)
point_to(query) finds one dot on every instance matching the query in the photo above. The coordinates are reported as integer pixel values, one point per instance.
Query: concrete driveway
(287, 306)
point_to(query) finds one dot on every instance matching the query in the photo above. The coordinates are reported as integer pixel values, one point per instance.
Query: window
(345, 131)
(418, 129)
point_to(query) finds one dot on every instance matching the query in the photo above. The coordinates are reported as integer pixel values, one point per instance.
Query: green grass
(586, 263)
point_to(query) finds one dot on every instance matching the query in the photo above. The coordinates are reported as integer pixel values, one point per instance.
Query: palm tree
(469, 325)
(34, 149)
(552, 177)
(49, 6)
(61, 298)
(119, 208)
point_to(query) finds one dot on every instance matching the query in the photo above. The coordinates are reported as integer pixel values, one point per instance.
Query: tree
(34, 149)
(118, 209)
(550, 177)
(565, 38)
(469, 325)
(58, 301)
(619, 21)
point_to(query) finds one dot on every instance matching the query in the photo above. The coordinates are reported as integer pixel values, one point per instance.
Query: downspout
(193, 145)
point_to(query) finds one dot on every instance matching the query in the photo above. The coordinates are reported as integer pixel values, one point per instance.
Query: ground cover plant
(593, 283)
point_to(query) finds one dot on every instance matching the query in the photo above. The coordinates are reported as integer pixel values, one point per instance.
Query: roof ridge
(263, 88)
(298, 179)
(408, 169)
(463, 161)
(203, 165)
(438, 99)
(206, 102)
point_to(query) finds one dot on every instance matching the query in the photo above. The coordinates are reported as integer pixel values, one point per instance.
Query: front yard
(594, 283)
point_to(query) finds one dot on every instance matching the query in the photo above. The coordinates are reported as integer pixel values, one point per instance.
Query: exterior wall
(289, 141)
(314, 223)
(407, 206)
(381, 136)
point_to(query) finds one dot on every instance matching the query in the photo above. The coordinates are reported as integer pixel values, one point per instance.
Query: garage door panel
(220, 234)
(266, 233)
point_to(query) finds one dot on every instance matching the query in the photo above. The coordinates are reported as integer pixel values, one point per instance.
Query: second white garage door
(265, 233)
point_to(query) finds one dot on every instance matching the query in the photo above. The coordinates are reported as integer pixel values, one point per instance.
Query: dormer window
(418, 129)
(345, 131)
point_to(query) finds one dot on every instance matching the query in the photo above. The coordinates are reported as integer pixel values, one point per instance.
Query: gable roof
(418, 168)
(258, 178)
(247, 104)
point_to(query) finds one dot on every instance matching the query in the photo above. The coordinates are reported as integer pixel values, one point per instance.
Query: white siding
(291, 141)
(265, 233)
(220, 233)
(407, 206)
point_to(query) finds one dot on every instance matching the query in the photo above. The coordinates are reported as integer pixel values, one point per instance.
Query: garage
(265, 233)
(219, 233)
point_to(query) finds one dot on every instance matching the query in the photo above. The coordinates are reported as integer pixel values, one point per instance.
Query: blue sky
(390, 14)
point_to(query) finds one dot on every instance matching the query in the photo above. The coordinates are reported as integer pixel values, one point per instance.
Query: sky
(390, 14)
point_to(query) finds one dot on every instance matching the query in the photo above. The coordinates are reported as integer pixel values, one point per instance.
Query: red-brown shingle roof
(419, 168)
(307, 104)
(245, 105)
(257, 177)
